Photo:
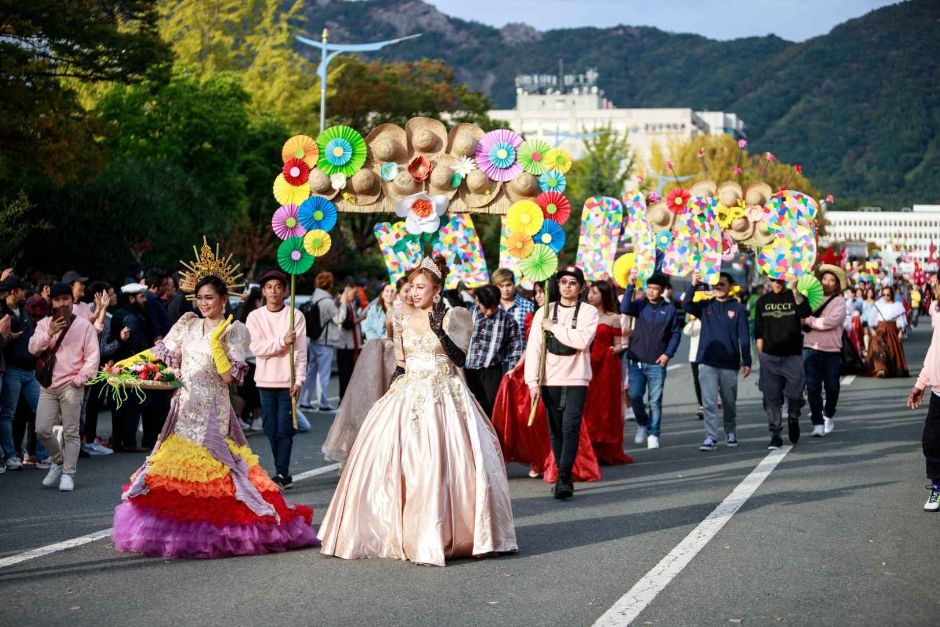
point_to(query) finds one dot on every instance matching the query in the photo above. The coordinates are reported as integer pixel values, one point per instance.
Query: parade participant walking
(692, 330)
(603, 406)
(496, 340)
(201, 493)
(511, 301)
(654, 340)
(822, 350)
(271, 340)
(318, 313)
(567, 335)
(425, 480)
(68, 342)
(724, 348)
(885, 351)
(930, 377)
(19, 381)
(779, 339)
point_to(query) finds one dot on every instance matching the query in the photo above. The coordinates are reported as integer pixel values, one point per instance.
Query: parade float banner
(601, 221)
(396, 262)
(461, 246)
(695, 243)
(641, 233)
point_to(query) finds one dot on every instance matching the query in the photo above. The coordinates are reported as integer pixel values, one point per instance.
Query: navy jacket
(656, 331)
(724, 341)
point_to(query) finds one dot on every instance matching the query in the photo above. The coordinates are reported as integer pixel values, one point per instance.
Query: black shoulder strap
(555, 312)
(574, 319)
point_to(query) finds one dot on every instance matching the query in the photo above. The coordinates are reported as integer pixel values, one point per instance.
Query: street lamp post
(328, 51)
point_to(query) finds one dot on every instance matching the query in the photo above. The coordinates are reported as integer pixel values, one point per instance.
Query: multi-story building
(910, 232)
(567, 109)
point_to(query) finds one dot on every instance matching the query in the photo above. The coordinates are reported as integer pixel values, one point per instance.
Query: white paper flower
(465, 166)
(338, 181)
(422, 212)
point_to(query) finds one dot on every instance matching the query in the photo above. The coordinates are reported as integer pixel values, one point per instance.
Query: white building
(721, 122)
(568, 115)
(909, 232)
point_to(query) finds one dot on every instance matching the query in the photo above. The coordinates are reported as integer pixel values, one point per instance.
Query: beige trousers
(61, 406)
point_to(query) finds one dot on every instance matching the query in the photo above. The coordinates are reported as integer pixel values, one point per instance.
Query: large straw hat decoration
(426, 136)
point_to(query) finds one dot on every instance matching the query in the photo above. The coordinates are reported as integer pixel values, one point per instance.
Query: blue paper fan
(552, 235)
(553, 181)
(317, 214)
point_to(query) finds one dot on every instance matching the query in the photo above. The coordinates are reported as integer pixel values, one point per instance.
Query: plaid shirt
(520, 308)
(495, 341)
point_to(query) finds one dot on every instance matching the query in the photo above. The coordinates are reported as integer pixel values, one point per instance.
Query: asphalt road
(834, 536)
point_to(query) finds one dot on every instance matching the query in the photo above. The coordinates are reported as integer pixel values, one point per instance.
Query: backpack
(311, 312)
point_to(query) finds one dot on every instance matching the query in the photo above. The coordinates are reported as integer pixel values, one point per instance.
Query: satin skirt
(425, 479)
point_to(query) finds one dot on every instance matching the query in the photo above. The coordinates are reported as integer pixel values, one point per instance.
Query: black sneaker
(775, 442)
(282, 481)
(793, 430)
(563, 490)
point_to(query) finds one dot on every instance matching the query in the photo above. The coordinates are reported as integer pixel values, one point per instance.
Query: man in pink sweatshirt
(75, 342)
(822, 350)
(271, 339)
(567, 335)
(930, 376)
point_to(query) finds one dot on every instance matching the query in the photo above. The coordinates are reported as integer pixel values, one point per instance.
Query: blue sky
(794, 20)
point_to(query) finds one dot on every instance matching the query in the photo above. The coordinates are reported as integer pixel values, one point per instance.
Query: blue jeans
(319, 369)
(822, 371)
(16, 382)
(278, 425)
(655, 376)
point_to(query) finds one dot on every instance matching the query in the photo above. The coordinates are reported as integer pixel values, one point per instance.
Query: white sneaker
(819, 431)
(652, 441)
(829, 425)
(640, 435)
(303, 425)
(66, 483)
(14, 463)
(97, 448)
(256, 425)
(630, 414)
(52, 477)
(3, 468)
(86, 448)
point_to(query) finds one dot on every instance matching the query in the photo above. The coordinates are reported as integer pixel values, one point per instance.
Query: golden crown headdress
(209, 263)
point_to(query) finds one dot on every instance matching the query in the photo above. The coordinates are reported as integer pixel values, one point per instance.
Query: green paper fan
(292, 257)
(810, 287)
(342, 150)
(540, 265)
(532, 156)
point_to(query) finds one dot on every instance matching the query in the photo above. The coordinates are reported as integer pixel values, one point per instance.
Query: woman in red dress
(603, 407)
(530, 445)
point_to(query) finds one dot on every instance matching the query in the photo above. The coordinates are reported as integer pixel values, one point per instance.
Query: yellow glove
(146, 355)
(222, 364)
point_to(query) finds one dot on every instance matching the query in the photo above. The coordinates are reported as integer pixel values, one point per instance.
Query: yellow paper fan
(622, 268)
(524, 216)
(287, 194)
(558, 159)
(317, 243)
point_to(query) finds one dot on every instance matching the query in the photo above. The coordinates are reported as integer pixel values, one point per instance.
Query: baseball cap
(71, 276)
(273, 275)
(11, 283)
(572, 271)
(133, 288)
(60, 289)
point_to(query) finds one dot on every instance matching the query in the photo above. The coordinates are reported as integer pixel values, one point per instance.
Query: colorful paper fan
(558, 159)
(663, 239)
(622, 268)
(519, 245)
(496, 155)
(287, 194)
(292, 257)
(342, 149)
(317, 214)
(810, 287)
(286, 223)
(524, 216)
(300, 147)
(317, 243)
(540, 265)
(551, 235)
(296, 171)
(532, 156)
(555, 206)
(553, 181)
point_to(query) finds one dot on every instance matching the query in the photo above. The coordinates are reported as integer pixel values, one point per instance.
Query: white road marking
(630, 605)
(42, 551)
(674, 366)
(847, 380)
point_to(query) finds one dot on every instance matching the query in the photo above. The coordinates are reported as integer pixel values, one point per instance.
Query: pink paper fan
(509, 142)
(286, 223)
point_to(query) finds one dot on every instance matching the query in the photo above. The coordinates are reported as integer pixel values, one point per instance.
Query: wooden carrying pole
(293, 346)
(542, 355)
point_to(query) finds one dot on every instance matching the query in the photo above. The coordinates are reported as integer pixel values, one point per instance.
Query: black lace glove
(399, 370)
(436, 320)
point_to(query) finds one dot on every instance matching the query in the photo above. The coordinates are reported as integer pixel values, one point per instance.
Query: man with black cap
(74, 342)
(654, 341)
(19, 380)
(271, 341)
(567, 337)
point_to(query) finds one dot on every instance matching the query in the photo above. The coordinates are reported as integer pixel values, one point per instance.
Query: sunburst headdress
(209, 263)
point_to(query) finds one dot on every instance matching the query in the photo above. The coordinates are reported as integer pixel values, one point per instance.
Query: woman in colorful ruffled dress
(373, 373)
(425, 480)
(201, 493)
